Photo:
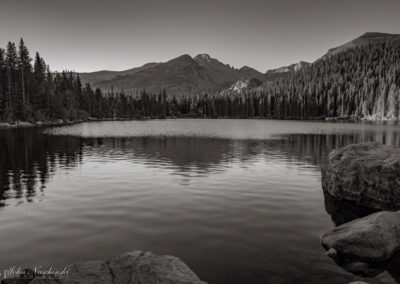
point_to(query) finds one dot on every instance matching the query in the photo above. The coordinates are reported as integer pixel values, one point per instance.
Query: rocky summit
(366, 173)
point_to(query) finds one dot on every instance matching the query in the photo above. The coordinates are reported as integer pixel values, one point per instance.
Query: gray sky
(90, 35)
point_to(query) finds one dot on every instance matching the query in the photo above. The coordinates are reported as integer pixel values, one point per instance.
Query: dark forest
(360, 82)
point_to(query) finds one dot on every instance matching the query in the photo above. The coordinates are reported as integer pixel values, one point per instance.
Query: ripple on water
(234, 204)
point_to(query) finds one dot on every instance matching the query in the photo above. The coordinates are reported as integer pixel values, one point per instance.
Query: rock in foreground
(372, 238)
(130, 268)
(366, 173)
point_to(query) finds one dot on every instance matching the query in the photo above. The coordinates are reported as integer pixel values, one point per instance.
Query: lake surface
(239, 201)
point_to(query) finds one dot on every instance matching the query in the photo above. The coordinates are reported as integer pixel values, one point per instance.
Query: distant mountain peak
(184, 57)
(247, 68)
(366, 38)
(206, 59)
(203, 56)
(183, 60)
(376, 34)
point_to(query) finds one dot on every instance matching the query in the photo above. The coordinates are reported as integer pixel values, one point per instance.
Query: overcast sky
(89, 35)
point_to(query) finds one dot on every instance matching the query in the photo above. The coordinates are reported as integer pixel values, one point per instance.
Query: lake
(239, 201)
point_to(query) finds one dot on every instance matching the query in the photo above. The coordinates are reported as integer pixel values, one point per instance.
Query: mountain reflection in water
(29, 159)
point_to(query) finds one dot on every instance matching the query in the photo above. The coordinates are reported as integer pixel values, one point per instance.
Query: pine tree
(78, 92)
(39, 76)
(11, 63)
(25, 69)
(3, 85)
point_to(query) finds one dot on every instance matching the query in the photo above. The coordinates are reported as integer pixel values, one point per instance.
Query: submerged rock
(365, 173)
(373, 238)
(130, 268)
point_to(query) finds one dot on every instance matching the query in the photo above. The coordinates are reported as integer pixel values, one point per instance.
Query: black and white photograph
(199, 141)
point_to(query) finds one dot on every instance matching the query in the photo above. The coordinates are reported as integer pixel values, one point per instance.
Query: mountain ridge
(366, 38)
(181, 75)
(202, 73)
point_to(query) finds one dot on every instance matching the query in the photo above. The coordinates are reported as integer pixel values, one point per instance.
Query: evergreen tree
(25, 70)
(3, 85)
(11, 63)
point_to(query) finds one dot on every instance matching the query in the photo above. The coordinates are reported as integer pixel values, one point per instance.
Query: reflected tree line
(314, 149)
(29, 158)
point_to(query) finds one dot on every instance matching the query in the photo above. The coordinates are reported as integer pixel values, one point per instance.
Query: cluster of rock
(367, 174)
(59, 122)
(130, 268)
(36, 123)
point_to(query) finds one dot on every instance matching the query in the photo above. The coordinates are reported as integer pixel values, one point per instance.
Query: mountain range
(185, 75)
(181, 75)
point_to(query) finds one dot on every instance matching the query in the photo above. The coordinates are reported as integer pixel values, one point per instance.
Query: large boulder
(375, 237)
(367, 174)
(130, 268)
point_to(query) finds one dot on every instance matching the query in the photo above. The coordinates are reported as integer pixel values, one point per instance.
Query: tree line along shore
(358, 83)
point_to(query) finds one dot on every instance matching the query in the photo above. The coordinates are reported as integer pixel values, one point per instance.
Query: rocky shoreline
(368, 175)
(134, 267)
(20, 124)
(58, 122)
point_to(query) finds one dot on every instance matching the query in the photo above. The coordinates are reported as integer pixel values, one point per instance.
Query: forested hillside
(359, 82)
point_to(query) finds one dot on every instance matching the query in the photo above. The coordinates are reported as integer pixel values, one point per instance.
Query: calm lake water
(240, 201)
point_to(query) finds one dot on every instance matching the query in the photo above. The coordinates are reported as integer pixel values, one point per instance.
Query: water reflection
(29, 158)
(253, 207)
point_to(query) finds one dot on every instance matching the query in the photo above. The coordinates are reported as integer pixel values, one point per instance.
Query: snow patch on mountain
(241, 86)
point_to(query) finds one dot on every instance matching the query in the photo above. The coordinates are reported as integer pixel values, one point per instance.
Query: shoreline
(60, 122)
(131, 267)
